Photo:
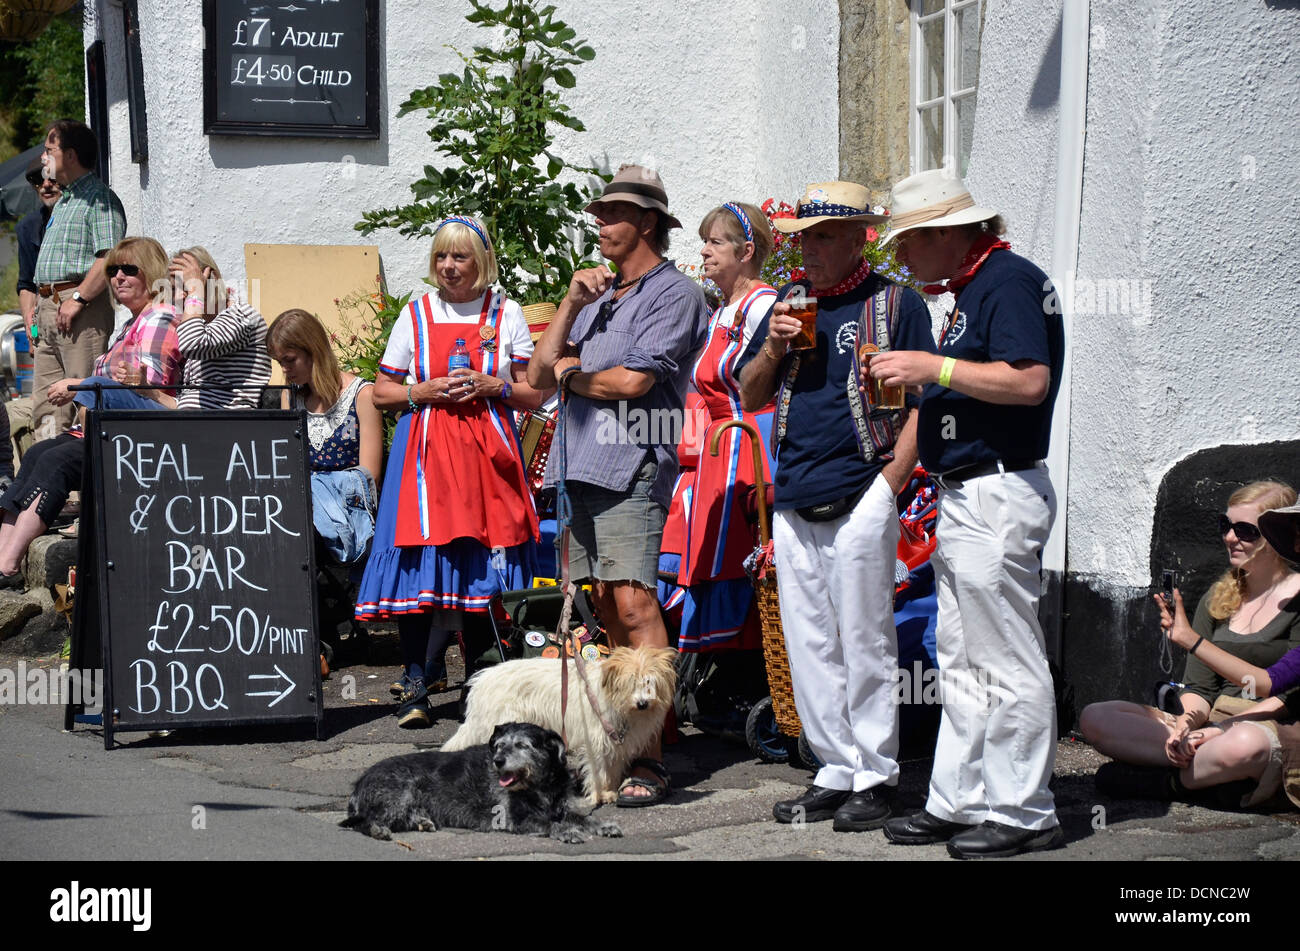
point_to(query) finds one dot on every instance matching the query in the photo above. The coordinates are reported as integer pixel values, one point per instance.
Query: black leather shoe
(864, 811)
(993, 840)
(816, 805)
(922, 828)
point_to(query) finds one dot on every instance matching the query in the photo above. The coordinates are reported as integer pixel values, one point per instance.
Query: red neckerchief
(984, 245)
(846, 285)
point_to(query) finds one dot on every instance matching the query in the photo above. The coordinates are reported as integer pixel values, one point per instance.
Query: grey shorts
(615, 536)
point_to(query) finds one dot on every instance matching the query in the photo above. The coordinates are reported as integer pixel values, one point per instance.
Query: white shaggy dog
(634, 687)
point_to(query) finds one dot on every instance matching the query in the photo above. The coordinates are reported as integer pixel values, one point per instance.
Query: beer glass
(804, 308)
(879, 395)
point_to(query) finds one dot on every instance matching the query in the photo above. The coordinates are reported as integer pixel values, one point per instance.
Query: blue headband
(468, 222)
(745, 226)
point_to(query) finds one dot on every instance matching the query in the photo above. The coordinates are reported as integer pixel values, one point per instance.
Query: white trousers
(997, 737)
(836, 581)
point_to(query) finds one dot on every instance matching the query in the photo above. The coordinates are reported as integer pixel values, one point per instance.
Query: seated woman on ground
(144, 348)
(344, 429)
(1281, 529)
(1251, 613)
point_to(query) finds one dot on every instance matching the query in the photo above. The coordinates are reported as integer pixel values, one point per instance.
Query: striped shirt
(227, 356)
(657, 328)
(85, 223)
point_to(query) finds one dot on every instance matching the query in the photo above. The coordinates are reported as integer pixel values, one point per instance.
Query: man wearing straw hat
(621, 347)
(835, 528)
(983, 428)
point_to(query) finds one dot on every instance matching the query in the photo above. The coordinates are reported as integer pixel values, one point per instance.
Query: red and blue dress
(456, 523)
(708, 524)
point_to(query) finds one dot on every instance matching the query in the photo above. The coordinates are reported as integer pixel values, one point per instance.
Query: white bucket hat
(933, 199)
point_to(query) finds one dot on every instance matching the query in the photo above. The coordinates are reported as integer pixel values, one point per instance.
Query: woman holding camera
(1251, 613)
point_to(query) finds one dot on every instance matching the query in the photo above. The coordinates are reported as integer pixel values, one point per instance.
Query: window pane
(931, 138)
(965, 108)
(967, 71)
(930, 6)
(932, 62)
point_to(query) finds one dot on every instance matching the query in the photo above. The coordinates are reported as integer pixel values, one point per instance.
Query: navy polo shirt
(1007, 312)
(820, 460)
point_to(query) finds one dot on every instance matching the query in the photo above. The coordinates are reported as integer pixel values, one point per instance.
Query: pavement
(278, 793)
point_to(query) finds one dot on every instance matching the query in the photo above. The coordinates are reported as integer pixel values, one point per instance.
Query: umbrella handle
(756, 444)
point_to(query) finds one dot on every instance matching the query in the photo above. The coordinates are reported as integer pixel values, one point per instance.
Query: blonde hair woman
(456, 523)
(1252, 613)
(143, 350)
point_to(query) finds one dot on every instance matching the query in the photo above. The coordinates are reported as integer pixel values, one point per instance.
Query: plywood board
(314, 277)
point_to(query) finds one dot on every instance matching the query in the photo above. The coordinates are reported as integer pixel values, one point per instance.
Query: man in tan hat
(835, 527)
(983, 428)
(621, 347)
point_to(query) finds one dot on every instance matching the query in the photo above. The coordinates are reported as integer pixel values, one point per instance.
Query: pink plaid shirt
(160, 352)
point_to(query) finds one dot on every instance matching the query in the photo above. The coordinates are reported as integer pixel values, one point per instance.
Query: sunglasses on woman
(130, 270)
(1244, 531)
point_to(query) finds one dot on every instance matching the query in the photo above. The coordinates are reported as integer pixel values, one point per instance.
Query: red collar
(846, 285)
(979, 252)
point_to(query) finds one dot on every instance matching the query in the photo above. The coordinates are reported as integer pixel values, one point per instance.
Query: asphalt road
(275, 793)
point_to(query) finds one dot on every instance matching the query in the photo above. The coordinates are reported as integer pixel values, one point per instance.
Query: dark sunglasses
(130, 270)
(1244, 531)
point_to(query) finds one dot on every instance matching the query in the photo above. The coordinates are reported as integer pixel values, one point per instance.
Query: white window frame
(949, 96)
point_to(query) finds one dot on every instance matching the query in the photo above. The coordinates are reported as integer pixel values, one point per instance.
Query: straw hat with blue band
(638, 186)
(832, 201)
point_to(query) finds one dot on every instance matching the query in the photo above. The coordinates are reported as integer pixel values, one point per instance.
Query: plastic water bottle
(459, 357)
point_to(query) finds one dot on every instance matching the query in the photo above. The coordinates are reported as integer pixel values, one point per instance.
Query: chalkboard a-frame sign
(201, 591)
(296, 68)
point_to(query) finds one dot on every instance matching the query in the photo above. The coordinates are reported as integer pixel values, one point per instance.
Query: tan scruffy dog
(634, 687)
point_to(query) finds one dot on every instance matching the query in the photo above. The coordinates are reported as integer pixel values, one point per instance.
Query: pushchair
(728, 694)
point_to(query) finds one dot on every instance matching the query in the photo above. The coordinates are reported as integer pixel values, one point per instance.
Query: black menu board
(291, 67)
(205, 569)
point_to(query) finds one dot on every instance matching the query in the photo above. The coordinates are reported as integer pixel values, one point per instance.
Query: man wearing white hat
(983, 428)
(835, 528)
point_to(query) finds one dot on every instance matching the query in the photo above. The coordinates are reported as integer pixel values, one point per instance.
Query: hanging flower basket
(26, 19)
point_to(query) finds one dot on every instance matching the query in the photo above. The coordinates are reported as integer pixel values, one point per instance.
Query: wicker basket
(780, 686)
(538, 316)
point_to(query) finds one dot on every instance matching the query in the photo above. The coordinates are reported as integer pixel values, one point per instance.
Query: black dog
(520, 782)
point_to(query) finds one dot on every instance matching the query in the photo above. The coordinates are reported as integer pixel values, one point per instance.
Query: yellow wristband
(945, 371)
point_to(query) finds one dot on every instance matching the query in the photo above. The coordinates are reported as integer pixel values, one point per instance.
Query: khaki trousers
(58, 356)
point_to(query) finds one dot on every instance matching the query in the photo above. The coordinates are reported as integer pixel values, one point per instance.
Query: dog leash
(568, 643)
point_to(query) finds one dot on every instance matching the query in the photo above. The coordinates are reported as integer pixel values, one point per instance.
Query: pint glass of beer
(132, 371)
(879, 396)
(804, 308)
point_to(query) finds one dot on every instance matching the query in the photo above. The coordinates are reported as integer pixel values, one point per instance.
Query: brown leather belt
(52, 290)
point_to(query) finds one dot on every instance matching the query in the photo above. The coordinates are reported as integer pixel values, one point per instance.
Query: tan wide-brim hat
(832, 201)
(933, 199)
(1279, 529)
(639, 186)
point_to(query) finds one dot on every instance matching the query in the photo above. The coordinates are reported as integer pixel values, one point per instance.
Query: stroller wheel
(767, 742)
(806, 755)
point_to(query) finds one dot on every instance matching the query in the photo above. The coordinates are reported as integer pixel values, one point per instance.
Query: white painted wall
(729, 100)
(1190, 190)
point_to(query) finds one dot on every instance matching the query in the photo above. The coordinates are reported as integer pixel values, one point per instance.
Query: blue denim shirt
(659, 328)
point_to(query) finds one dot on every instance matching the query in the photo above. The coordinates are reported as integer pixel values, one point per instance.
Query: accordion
(536, 430)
